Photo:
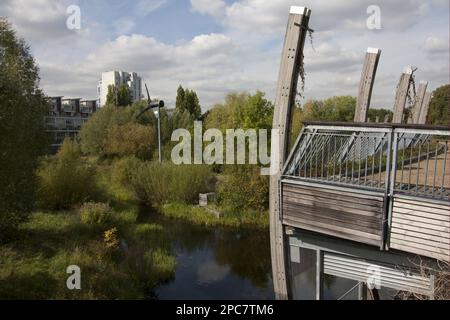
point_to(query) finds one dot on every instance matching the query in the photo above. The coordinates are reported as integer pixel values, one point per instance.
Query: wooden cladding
(421, 227)
(345, 214)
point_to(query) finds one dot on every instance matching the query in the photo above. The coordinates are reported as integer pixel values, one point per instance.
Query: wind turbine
(152, 105)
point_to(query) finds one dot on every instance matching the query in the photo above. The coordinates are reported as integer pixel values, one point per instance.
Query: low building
(66, 117)
(87, 108)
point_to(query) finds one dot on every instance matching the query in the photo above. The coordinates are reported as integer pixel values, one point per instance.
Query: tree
(22, 129)
(192, 104)
(241, 110)
(188, 100)
(179, 104)
(119, 96)
(338, 108)
(439, 112)
(381, 114)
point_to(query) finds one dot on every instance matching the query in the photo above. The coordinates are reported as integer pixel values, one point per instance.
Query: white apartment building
(117, 78)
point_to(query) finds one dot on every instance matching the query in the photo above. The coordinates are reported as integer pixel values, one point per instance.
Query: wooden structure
(380, 191)
(291, 60)
(353, 205)
(417, 108)
(402, 94)
(366, 84)
(425, 107)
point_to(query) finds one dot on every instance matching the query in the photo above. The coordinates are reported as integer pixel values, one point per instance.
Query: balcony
(379, 184)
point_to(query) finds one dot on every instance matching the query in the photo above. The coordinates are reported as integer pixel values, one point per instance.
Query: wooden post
(366, 84)
(285, 99)
(425, 107)
(401, 95)
(418, 102)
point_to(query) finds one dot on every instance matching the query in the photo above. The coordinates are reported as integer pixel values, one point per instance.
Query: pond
(217, 263)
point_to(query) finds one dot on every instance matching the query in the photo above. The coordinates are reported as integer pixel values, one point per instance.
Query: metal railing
(394, 158)
(422, 164)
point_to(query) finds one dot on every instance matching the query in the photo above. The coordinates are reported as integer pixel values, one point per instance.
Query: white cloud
(215, 8)
(196, 63)
(435, 45)
(270, 16)
(242, 54)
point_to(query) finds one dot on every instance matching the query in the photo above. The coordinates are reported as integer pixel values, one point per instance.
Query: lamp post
(152, 105)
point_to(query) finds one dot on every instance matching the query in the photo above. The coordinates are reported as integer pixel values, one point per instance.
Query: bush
(97, 214)
(116, 131)
(131, 139)
(65, 179)
(156, 184)
(243, 187)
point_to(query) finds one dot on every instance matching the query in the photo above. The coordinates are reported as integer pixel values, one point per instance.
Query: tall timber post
(291, 63)
(402, 94)
(366, 84)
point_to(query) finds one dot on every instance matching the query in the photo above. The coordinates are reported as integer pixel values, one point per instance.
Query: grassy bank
(126, 265)
(206, 216)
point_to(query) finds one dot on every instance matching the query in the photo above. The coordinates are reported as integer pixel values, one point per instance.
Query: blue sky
(216, 46)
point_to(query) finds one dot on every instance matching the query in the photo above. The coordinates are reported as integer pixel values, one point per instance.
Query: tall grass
(156, 184)
(228, 217)
(66, 179)
(34, 265)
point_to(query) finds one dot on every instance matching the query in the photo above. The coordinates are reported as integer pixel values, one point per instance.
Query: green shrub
(131, 139)
(157, 184)
(65, 179)
(243, 187)
(97, 214)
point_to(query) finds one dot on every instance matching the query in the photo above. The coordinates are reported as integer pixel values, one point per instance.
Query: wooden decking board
(419, 246)
(335, 233)
(435, 218)
(328, 226)
(442, 244)
(329, 198)
(340, 193)
(422, 203)
(401, 226)
(356, 212)
(421, 252)
(427, 228)
(444, 238)
(309, 212)
(419, 219)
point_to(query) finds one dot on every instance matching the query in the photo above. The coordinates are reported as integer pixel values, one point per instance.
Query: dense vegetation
(22, 131)
(439, 112)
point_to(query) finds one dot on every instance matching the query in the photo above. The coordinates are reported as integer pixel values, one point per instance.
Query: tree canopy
(440, 106)
(119, 96)
(188, 100)
(22, 128)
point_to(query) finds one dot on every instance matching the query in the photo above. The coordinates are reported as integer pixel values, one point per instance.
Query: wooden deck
(342, 213)
(401, 203)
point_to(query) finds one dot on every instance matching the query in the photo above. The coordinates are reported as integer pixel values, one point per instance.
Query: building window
(303, 273)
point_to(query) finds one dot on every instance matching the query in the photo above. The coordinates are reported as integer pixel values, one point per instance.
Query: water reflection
(216, 263)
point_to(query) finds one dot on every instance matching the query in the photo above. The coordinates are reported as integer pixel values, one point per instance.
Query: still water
(217, 263)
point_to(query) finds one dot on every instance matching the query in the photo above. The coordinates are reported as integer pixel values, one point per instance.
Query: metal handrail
(414, 159)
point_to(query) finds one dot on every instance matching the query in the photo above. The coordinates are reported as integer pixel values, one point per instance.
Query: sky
(219, 46)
